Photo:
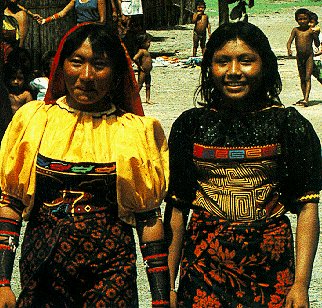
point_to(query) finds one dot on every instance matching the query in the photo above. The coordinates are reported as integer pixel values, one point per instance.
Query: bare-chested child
(143, 60)
(304, 37)
(202, 24)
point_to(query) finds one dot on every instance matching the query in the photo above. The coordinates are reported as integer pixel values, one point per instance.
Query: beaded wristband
(50, 18)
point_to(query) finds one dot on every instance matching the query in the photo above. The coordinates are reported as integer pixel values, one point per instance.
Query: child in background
(201, 21)
(143, 60)
(304, 37)
(317, 63)
(40, 84)
(15, 81)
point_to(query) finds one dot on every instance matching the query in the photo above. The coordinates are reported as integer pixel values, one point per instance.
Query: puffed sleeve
(303, 164)
(19, 148)
(142, 166)
(183, 173)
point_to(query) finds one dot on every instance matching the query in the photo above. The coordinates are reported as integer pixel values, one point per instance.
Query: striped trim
(235, 153)
(160, 302)
(157, 269)
(160, 255)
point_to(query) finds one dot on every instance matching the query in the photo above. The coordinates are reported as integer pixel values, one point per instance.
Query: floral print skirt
(235, 264)
(82, 261)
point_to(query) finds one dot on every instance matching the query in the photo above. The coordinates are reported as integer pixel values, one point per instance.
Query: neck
(95, 107)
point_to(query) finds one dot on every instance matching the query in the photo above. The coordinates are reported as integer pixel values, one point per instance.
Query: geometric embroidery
(238, 191)
(47, 164)
(235, 153)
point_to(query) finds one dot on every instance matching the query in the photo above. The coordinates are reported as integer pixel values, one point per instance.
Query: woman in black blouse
(241, 162)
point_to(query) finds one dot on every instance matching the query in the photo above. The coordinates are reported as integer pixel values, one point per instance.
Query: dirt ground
(173, 88)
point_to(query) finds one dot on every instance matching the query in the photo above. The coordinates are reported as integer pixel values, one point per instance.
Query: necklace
(83, 1)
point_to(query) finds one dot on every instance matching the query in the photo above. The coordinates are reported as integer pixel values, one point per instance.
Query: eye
(101, 63)
(246, 59)
(221, 60)
(76, 61)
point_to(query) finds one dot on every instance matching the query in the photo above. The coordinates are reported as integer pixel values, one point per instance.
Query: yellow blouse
(137, 145)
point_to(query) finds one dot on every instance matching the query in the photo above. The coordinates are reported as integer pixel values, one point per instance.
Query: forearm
(102, 10)
(307, 236)
(174, 228)
(155, 255)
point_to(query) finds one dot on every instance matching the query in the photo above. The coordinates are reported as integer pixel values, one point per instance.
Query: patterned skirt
(81, 261)
(236, 264)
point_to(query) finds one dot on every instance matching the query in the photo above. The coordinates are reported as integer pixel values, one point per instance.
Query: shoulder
(190, 118)
(27, 111)
(143, 123)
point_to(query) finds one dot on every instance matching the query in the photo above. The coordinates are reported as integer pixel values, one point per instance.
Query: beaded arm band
(155, 256)
(9, 241)
(50, 18)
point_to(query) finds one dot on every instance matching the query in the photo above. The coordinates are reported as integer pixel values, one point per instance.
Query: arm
(22, 19)
(7, 253)
(195, 17)
(208, 27)
(289, 42)
(307, 236)
(316, 39)
(174, 229)
(101, 5)
(155, 255)
(60, 14)
(136, 59)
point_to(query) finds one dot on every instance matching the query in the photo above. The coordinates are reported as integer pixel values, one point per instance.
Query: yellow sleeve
(19, 148)
(142, 165)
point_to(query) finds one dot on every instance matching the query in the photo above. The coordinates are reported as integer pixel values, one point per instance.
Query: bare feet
(301, 102)
(149, 102)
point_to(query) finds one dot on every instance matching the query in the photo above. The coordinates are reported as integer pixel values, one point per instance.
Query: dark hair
(103, 40)
(313, 16)
(200, 3)
(11, 71)
(256, 39)
(302, 11)
(142, 38)
(46, 62)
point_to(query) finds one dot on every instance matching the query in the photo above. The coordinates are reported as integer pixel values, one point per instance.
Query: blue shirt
(86, 11)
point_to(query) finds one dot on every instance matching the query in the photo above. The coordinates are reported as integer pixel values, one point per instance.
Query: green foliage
(264, 6)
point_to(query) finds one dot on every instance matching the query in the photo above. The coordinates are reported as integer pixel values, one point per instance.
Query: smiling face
(237, 71)
(88, 78)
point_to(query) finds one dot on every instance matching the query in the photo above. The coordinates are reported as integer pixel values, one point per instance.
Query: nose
(87, 72)
(234, 68)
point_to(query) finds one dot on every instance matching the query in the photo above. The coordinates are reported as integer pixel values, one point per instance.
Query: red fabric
(56, 87)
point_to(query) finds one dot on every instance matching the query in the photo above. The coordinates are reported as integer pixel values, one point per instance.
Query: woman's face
(88, 77)
(237, 71)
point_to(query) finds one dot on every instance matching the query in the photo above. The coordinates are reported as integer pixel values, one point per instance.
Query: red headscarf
(56, 88)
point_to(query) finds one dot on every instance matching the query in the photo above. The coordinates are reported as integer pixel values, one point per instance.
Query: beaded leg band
(155, 256)
(9, 241)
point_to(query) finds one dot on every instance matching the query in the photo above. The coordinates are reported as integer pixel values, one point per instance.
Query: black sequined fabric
(298, 169)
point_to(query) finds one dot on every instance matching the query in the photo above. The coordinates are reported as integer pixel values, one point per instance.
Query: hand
(173, 299)
(7, 298)
(38, 18)
(298, 297)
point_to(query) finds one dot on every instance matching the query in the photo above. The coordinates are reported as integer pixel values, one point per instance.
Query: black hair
(142, 38)
(313, 16)
(10, 71)
(271, 87)
(46, 62)
(104, 40)
(200, 3)
(301, 11)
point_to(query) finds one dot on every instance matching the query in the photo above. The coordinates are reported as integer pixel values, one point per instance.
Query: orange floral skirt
(228, 264)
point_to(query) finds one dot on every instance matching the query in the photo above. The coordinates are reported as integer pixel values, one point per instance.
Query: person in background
(13, 11)
(317, 63)
(17, 85)
(86, 11)
(143, 60)
(39, 84)
(304, 38)
(93, 167)
(202, 24)
(240, 163)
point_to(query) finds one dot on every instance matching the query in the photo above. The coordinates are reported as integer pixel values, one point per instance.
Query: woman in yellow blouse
(83, 168)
